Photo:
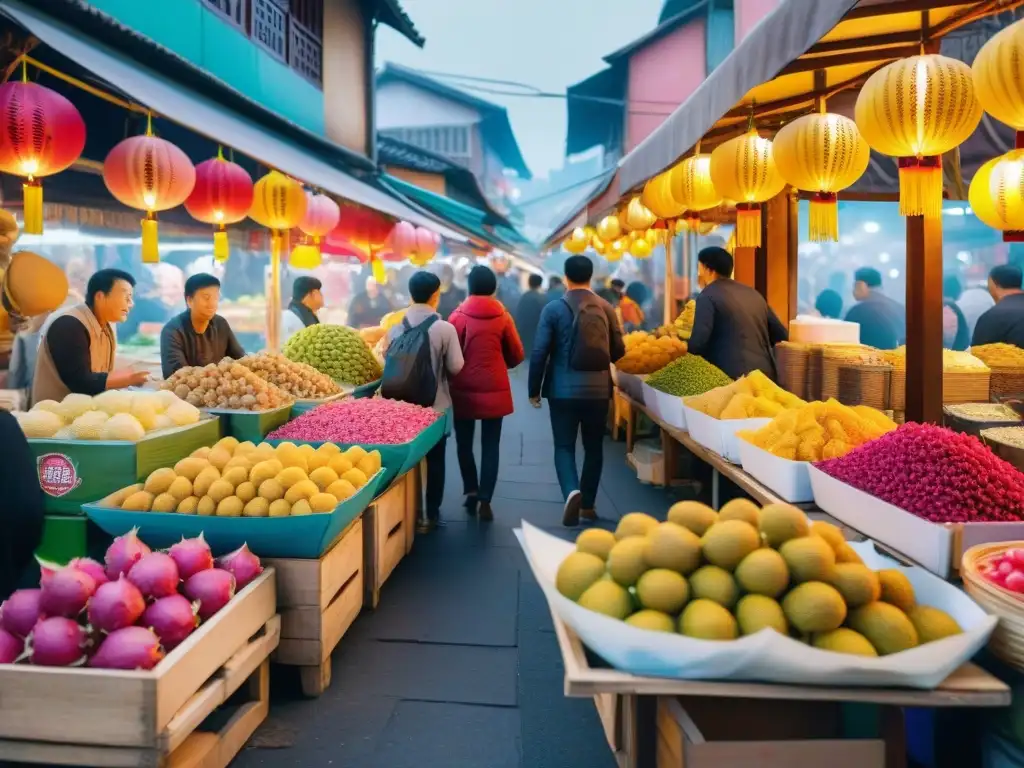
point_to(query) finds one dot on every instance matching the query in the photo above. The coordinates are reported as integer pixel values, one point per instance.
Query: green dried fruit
(687, 376)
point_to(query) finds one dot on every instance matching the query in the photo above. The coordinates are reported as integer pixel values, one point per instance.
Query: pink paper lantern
(322, 216)
(417, 244)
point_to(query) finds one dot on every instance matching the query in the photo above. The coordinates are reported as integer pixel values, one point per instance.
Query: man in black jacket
(1005, 321)
(733, 326)
(882, 320)
(198, 336)
(528, 312)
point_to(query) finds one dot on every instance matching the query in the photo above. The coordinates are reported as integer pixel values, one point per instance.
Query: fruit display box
(719, 435)
(318, 600)
(250, 425)
(630, 383)
(75, 472)
(670, 408)
(789, 479)
(304, 406)
(306, 536)
(389, 526)
(363, 390)
(650, 400)
(101, 717)
(765, 656)
(937, 547)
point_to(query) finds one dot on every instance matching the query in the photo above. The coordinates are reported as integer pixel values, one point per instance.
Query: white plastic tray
(718, 435)
(789, 479)
(671, 409)
(650, 400)
(630, 383)
(766, 656)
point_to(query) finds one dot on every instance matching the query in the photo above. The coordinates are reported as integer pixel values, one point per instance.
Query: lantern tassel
(221, 248)
(921, 186)
(150, 241)
(748, 225)
(823, 224)
(379, 272)
(32, 197)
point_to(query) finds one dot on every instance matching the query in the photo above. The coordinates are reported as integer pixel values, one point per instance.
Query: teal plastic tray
(304, 406)
(251, 425)
(367, 390)
(308, 536)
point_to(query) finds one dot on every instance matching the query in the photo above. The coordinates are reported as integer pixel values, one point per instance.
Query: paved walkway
(458, 667)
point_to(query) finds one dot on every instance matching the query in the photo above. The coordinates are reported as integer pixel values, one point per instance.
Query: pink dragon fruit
(10, 647)
(364, 421)
(124, 553)
(116, 604)
(212, 589)
(90, 566)
(156, 575)
(57, 642)
(128, 648)
(67, 592)
(20, 612)
(192, 556)
(243, 564)
(172, 618)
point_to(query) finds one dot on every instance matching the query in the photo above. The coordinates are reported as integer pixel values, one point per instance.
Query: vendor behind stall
(198, 336)
(307, 300)
(78, 345)
(1005, 321)
(733, 326)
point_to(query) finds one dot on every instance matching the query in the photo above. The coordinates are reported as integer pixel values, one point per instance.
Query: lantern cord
(753, 114)
(220, 151)
(91, 89)
(149, 123)
(24, 71)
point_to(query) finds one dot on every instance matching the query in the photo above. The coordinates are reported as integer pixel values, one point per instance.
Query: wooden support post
(924, 320)
(775, 266)
(792, 256)
(744, 270)
(670, 278)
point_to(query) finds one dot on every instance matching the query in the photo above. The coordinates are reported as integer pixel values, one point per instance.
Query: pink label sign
(57, 474)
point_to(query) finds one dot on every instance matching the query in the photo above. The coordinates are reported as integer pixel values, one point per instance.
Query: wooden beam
(924, 320)
(872, 41)
(811, 63)
(859, 197)
(899, 6)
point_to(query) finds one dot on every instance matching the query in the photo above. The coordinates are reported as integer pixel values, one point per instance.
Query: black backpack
(591, 336)
(408, 369)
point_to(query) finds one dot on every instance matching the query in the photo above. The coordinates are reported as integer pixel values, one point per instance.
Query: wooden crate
(385, 536)
(416, 479)
(98, 717)
(738, 733)
(318, 600)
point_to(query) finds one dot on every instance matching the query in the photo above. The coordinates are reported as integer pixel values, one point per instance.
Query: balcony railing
(271, 25)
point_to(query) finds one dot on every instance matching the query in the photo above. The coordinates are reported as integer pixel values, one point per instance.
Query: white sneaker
(571, 515)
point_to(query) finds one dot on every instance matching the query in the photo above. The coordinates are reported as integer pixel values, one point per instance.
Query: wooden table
(628, 704)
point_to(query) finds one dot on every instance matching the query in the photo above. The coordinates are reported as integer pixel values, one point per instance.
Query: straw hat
(31, 286)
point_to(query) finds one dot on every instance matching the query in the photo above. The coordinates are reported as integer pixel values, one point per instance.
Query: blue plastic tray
(307, 536)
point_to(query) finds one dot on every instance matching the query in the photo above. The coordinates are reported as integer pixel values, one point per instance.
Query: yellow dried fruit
(329, 448)
(322, 502)
(227, 443)
(356, 477)
(301, 507)
(256, 508)
(289, 476)
(206, 507)
(219, 457)
(265, 470)
(205, 479)
(190, 468)
(341, 490)
(355, 453)
(340, 464)
(292, 457)
(117, 498)
(235, 476)
(316, 460)
(244, 448)
(164, 503)
(271, 490)
(280, 508)
(159, 481)
(323, 477)
(239, 461)
(201, 453)
(246, 492)
(188, 506)
(369, 465)
(305, 489)
(140, 501)
(181, 488)
(220, 489)
(230, 507)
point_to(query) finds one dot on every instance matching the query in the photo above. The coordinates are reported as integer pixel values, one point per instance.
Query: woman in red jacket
(481, 392)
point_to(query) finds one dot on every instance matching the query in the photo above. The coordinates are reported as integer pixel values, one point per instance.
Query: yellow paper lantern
(742, 169)
(278, 203)
(576, 242)
(999, 76)
(657, 197)
(609, 229)
(642, 245)
(615, 249)
(996, 194)
(915, 109)
(821, 153)
(597, 244)
(692, 186)
(636, 215)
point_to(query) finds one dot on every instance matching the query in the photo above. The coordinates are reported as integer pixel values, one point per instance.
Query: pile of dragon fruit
(124, 613)
(934, 473)
(366, 421)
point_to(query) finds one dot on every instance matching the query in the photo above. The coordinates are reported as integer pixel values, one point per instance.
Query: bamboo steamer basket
(864, 385)
(1006, 382)
(1007, 641)
(815, 360)
(792, 362)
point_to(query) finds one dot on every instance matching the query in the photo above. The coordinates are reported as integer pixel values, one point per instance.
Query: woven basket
(957, 387)
(1005, 451)
(864, 385)
(792, 360)
(1007, 641)
(815, 360)
(1006, 382)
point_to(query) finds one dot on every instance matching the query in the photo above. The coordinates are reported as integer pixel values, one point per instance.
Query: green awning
(473, 221)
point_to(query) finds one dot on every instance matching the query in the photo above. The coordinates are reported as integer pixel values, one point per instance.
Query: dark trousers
(435, 478)
(569, 420)
(490, 450)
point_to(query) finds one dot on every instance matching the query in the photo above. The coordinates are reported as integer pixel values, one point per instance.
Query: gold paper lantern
(576, 242)
(999, 76)
(636, 215)
(742, 169)
(915, 109)
(597, 244)
(692, 186)
(642, 245)
(997, 194)
(609, 229)
(823, 154)
(657, 197)
(615, 249)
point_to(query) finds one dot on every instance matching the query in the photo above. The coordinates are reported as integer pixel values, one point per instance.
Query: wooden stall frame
(388, 531)
(319, 600)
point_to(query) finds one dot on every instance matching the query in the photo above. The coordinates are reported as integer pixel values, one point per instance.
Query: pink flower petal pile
(367, 421)
(934, 473)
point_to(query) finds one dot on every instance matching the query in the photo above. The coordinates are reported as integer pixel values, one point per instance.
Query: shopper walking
(481, 391)
(577, 340)
(528, 312)
(423, 337)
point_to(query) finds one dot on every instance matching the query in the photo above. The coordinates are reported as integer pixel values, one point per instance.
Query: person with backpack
(481, 392)
(422, 355)
(578, 339)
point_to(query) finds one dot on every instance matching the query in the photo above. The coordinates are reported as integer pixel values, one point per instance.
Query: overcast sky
(549, 44)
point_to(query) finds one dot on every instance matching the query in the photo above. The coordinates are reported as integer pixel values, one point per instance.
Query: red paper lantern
(222, 195)
(41, 133)
(366, 230)
(322, 216)
(150, 174)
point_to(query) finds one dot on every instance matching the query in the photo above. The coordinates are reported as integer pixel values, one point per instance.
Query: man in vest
(78, 345)
(307, 300)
